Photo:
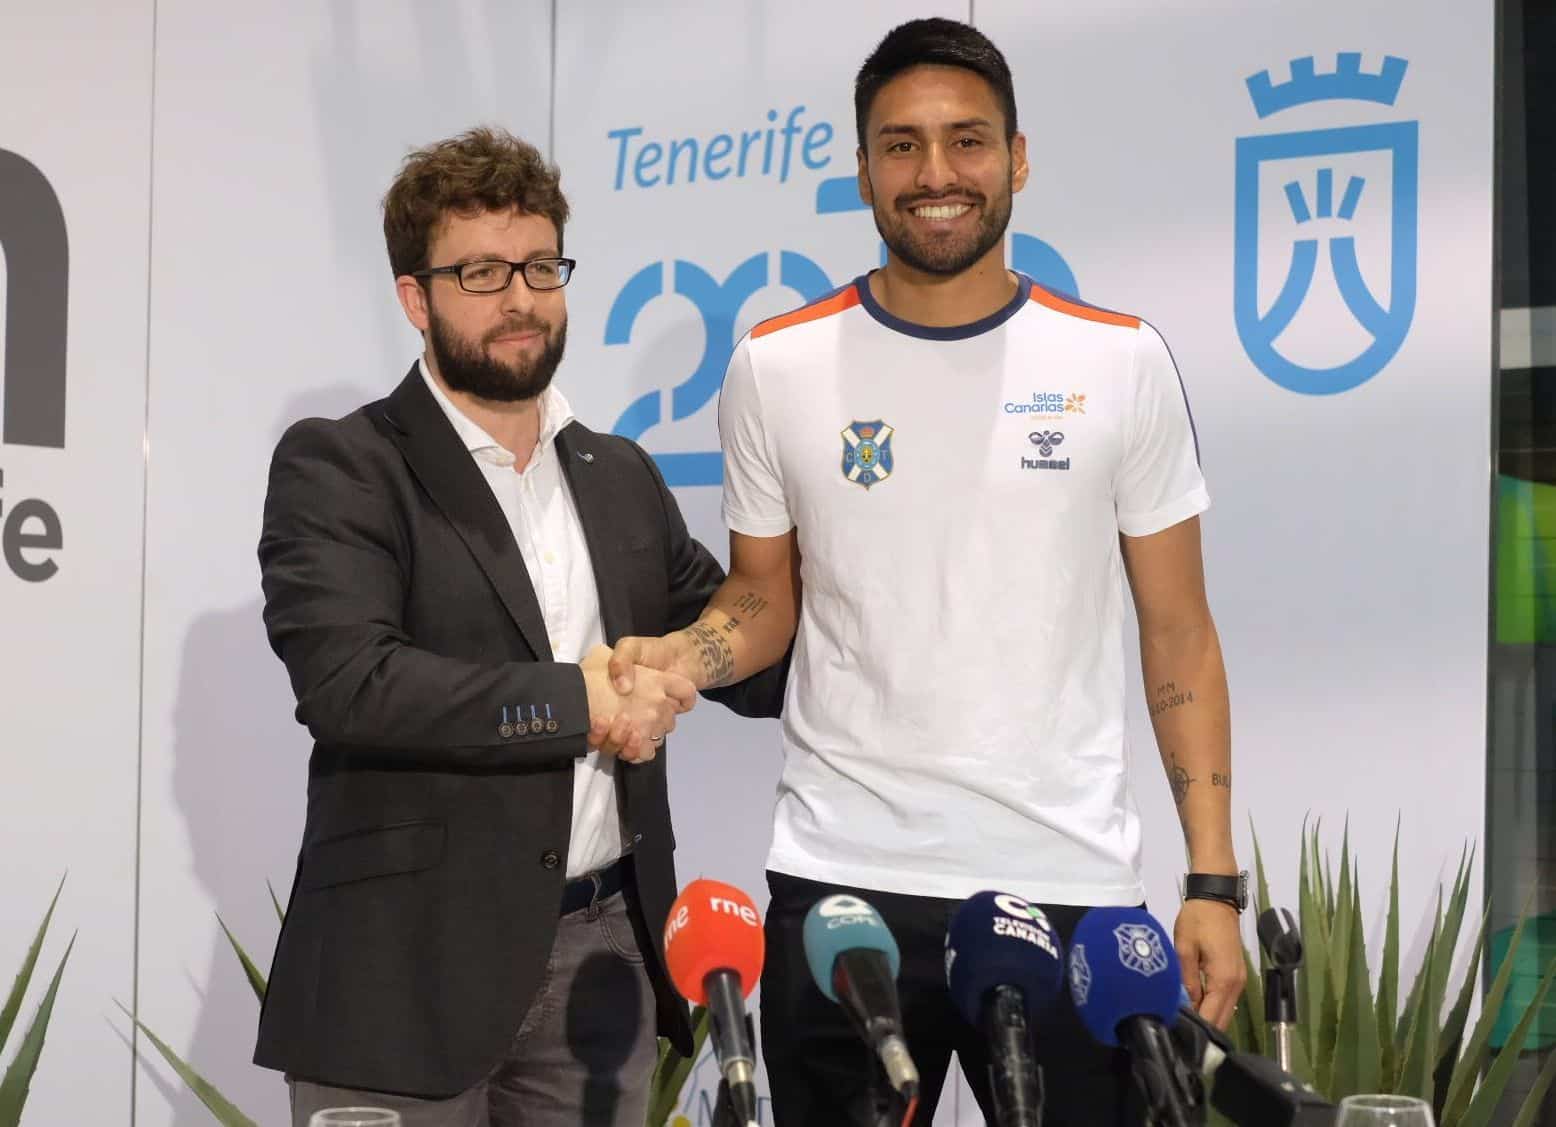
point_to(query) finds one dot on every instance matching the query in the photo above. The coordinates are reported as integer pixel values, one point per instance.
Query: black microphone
(854, 961)
(1282, 943)
(1004, 970)
(1250, 1090)
(1125, 981)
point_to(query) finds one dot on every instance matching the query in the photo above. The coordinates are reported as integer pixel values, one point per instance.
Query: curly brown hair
(483, 169)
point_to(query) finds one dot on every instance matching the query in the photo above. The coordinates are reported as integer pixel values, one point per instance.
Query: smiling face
(937, 171)
(503, 347)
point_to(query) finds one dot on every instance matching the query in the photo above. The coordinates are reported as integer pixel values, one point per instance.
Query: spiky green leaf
(1489, 1094)
(1344, 920)
(1262, 888)
(1475, 1049)
(1356, 1067)
(18, 1078)
(1535, 1098)
(670, 1077)
(1250, 1010)
(1419, 1056)
(217, 1104)
(1315, 949)
(280, 911)
(13, 1001)
(256, 980)
(1388, 983)
(1452, 1041)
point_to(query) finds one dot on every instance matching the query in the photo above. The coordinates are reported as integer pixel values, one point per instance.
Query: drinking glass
(1384, 1111)
(355, 1117)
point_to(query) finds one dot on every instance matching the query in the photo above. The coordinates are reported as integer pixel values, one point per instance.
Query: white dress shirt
(543, 516)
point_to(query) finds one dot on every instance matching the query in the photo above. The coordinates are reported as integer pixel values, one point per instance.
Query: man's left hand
(1210, 947)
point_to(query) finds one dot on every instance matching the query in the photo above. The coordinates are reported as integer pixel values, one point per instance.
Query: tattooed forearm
(1169, 696)
(1217, 779)
(750, 604)
(1179, 780)
(714, 653)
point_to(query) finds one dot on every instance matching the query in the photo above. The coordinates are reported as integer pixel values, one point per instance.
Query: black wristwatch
(1213, 886)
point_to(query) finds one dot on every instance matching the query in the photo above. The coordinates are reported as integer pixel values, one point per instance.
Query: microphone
(1244, 1087)
(854, 960)
(1199, 1042)
(1125, 981)
(714, 948)
(1282, 943)
(1003, 968)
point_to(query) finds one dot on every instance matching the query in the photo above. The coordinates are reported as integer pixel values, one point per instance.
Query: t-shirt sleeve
(754, 503)
(1159, 482)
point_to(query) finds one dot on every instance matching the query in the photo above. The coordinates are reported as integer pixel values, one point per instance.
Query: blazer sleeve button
(550, 859)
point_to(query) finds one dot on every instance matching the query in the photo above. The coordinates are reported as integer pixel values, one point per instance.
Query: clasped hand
(632, 722)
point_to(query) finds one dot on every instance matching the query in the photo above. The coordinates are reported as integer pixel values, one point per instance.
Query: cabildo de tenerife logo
(35, 254)
(1353, 187)
(738, 168)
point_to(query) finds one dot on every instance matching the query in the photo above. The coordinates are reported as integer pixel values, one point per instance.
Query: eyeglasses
(494, 275)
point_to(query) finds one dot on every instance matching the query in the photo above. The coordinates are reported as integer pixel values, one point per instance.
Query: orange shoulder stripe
(1084, 312)
(846, 298)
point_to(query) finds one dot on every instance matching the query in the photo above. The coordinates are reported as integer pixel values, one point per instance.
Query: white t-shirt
(543, 518)
(955, 712)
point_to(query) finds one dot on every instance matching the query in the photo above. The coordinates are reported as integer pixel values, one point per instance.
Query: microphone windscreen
(1280, 937)
(1122, 965)
(713, 926)
(996, 939)
(844, 923)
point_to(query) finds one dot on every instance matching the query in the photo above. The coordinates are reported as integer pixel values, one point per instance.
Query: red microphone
(714, 949)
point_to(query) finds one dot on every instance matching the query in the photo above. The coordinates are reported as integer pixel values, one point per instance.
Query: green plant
(1354, 1040)
(671, 1071)
(18, 1077)
(669, 1078)
(226, 1113)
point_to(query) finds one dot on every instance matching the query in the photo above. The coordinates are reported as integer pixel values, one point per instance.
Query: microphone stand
(1282, 942)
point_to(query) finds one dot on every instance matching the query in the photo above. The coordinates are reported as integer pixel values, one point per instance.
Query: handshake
(636, 691)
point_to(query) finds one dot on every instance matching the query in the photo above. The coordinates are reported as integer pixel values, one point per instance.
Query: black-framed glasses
(493, 275)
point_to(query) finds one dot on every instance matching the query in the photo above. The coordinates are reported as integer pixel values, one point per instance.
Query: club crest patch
(867, 455)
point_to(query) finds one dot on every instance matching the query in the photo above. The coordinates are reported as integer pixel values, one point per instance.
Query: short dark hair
(934, 42)
(479, 170)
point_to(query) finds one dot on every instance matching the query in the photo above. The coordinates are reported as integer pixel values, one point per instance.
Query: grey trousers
(582, 1057)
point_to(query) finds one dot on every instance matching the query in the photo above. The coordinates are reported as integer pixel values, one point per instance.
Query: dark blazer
(427, 889)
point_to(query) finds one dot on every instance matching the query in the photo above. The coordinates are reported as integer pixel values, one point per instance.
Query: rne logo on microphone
(724, 906)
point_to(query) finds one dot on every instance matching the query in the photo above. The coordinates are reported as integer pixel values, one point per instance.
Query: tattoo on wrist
(1217, 779)
(713, 654)
(751, 604)
(1168, 696)
(731, 624)
(1179, 780)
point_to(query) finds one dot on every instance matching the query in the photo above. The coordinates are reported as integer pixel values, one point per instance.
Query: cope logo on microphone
(1025, 922)
(844, 910)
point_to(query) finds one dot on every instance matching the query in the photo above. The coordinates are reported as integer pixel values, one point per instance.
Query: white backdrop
(70, 643)
(1345, 549)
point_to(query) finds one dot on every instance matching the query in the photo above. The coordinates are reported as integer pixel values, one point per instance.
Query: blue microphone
(854, 960)
(1125, 981)
(1004, 970)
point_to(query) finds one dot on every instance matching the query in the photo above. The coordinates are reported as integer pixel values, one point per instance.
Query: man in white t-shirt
(936, 479)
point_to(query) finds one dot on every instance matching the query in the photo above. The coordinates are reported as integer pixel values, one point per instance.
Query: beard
(947, 254)
(468, 367)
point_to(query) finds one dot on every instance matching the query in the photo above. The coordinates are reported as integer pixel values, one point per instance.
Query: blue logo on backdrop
(772, 152)
(1315, 204)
